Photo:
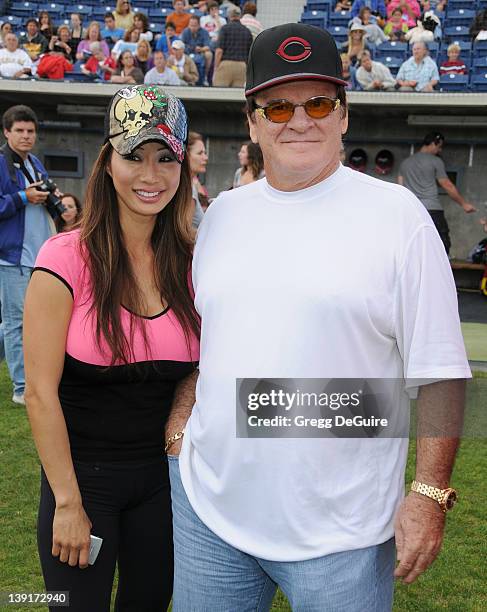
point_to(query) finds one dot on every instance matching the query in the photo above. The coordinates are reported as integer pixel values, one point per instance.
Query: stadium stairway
(275, 12)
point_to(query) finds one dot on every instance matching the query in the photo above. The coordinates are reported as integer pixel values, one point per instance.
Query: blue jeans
(212, 576)
(13, 284)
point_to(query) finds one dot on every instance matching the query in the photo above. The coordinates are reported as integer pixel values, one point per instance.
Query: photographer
(25, 224)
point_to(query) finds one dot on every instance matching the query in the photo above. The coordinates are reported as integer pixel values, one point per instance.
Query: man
(419, 72)
(231, 54)
(249, 19)
(180, 18)
(422, 173)
(182, 64)
(33, 42)
(374, 76)
(197, 41)
(161, 74)
(315, 517)
(278, 511)
(24, 226)
(213, 22)
(165, 41)
(110, 32)
(14, 62)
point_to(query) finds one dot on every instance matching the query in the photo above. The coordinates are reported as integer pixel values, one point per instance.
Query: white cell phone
(95, 545)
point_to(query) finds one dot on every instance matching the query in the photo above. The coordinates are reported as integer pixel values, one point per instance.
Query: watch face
(450, 500)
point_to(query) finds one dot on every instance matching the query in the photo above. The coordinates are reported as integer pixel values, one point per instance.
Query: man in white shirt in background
(318, 517)
(15, 63)
(161, 74)
(374, 76)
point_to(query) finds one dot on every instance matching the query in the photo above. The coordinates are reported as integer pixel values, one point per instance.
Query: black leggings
(130, 508)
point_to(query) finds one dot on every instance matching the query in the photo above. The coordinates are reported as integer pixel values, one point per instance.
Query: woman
(396, 28)
(112, 302)
(411, 11)
(5, 28)
(127, 72)
(355, 44)
(77, 30)
(46, 27)
(62, 43)
(129, 42)
(143, 56)
(251, 165)
(124, 17)
(142, 24)
(374, 34)
(198, 160)
(71, 215)
(92, 34)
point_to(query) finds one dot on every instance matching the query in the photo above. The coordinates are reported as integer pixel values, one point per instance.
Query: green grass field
(456, 582)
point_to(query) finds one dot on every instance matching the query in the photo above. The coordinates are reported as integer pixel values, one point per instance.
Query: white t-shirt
(13, 61)
(345, 279)
(210, 25)
(168, 77)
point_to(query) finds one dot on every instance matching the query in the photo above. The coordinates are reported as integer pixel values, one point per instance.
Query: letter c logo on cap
(300, 43)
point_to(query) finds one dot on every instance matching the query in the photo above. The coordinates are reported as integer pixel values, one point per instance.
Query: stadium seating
(54, 9)
(454, 82)
(460, 17)
(315, 18)
(158, 15)
(339, 33)
(393, 63)
(393, 49)
(479, 65)
(24, 9)
(83, 9)
(319, 5)
(340, 18)
(457, 33)
(455, 5)
(479, 82)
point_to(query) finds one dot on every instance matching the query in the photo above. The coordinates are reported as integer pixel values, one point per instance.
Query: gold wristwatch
(447, 498)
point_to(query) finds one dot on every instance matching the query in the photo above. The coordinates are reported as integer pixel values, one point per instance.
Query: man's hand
(419, 527)
(469, 208)
(34, 195)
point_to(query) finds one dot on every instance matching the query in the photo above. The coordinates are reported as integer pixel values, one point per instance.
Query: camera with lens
(53, 204)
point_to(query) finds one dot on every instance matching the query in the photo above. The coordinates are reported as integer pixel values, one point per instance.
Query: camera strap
(15, 161)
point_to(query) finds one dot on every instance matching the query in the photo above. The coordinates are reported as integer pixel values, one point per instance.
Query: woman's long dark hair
(255, 160)
(60, 223)
(113, 280)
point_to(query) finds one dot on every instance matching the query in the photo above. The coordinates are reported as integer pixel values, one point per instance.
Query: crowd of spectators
(206, 42)
(403, 45)
(202, 42)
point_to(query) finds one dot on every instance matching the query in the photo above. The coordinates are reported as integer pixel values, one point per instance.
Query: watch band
(428, 490)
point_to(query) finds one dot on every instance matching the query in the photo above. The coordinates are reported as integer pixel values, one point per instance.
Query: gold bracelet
(174, 438)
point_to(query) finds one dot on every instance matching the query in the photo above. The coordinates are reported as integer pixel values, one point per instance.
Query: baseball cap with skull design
(144, 113)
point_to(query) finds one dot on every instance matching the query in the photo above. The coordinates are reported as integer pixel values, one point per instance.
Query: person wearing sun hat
(113, 303)
(316, 271)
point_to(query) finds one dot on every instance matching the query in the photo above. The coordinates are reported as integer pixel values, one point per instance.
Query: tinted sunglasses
(281, 111)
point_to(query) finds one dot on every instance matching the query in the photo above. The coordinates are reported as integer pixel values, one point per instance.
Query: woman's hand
(71, 530)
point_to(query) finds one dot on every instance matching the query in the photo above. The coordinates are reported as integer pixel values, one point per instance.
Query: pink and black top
(114, 412)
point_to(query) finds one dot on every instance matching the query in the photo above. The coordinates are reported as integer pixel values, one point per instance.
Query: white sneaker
(18, 398)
